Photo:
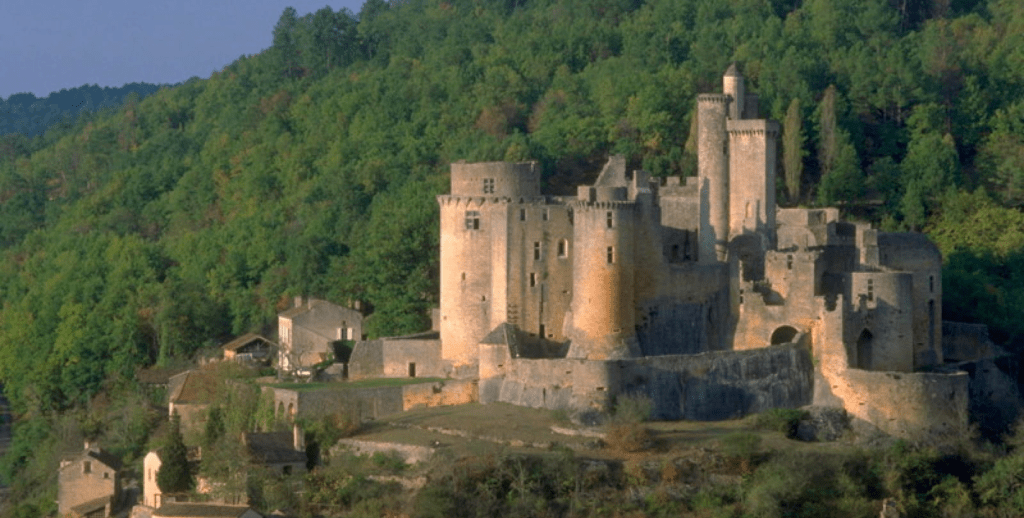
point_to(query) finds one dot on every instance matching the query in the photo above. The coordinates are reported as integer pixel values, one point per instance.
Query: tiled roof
(242, 341)
(193, 387)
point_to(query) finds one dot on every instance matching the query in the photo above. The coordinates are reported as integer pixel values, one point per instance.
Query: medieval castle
(702, 295)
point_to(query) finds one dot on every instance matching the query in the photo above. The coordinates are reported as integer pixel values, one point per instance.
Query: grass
(345, 385)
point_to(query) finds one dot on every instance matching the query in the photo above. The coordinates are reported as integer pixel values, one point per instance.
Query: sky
(47, 45)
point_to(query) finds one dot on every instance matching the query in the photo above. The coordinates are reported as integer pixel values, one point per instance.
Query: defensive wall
(707, 386)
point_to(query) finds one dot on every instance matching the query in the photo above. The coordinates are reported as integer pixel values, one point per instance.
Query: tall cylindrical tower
(713, 176)
(603, 303)
(473, 227)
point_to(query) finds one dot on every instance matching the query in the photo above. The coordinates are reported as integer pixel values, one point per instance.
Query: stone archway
(784, 335)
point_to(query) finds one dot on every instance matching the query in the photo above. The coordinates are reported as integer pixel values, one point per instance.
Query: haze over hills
(29, 115)
(196, 212)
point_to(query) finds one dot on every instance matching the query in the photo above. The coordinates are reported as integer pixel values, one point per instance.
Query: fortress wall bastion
(909, 405)
(707, 386)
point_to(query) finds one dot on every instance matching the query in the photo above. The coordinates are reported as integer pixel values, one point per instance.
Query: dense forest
(143, 234)
(28, 115)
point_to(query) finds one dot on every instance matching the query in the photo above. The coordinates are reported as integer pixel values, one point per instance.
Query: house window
(563, 248)
(611, 255)
(412, 369)
(609, 220)
(472, 220)
(488, 185)
(536, 250)
(106, 475)
(533, 279)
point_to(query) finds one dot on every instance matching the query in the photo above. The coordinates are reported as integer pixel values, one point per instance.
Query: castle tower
(752, 157)
(713, 177)
(602, 317)
(734, 86)
(474, 242)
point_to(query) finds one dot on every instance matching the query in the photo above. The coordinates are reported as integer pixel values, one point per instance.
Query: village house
(190, 395)
(89, 484)
(249, 348)
(308, 332)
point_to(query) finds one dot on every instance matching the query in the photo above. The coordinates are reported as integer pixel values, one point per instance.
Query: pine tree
(173, 475)
(793, 151)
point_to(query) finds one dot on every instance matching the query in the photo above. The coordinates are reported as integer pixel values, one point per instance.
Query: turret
(602, 323)
(713, 177)
(734, 87)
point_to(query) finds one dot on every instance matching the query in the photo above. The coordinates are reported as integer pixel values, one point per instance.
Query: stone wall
(716, 385)
(367, 360)
(441, 393)
(369, 403)
(411, 357)
(910, 405)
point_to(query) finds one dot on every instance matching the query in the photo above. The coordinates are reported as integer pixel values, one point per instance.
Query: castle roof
(733, 71)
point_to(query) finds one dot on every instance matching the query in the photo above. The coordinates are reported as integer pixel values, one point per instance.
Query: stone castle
(702, 295)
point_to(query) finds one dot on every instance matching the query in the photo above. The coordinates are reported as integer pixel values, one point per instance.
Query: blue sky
(47, 45)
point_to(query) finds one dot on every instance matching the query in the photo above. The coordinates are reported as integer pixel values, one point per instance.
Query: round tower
(713, 176)
(603, 319)
(473, 230)
(734, 86)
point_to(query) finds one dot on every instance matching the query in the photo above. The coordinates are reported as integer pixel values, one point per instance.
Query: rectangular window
(533, 279)
(87, 467)
(611, 255)
(536, 251)
(610, 221)
(544, 215)
(472, 220)
(563, 248)
(488, 185)
(522, 214)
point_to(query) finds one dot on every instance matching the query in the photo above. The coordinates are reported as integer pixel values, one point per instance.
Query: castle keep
(702, 294)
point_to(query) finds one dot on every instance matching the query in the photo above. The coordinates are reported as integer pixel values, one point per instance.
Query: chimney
(298, 301)
(298, 438)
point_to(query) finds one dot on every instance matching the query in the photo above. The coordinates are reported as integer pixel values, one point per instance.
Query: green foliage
(784, 420)
(174, 475)
(793, 151)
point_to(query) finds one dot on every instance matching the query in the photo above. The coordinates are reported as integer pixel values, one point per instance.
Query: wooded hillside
(198, 212)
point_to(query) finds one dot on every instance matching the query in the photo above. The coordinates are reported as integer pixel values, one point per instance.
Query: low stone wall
(441, 393)
(369, 403)
(409, 453)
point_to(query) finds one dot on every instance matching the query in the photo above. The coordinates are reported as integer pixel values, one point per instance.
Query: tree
(214, 427)
(841, 178)
(174, 475)
(793, 151)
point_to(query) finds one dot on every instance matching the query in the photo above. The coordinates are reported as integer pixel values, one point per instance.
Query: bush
(632, 409)
(629, 438)
(784, 420)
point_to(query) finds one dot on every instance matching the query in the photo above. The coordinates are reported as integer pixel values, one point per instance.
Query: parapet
(752, 126)
(496, 179)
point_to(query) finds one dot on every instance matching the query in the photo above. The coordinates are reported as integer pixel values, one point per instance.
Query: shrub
(632, 437)
(783, 420)
(632, 409)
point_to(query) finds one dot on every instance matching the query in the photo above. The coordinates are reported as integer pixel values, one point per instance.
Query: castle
(701, 295)
(567, 301)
